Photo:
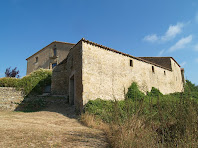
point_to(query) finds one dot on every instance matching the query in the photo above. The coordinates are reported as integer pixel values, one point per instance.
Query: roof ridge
(119, 52)
(154, 57)
(63, 42)
(47, 46)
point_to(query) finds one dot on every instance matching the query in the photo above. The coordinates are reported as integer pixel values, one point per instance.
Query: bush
(36, 81)
(9, 82)
(33, 83)
(191, 90)
(134, 93)
(154, 92)
(100, 108)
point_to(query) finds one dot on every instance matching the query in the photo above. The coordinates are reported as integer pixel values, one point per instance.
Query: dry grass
(132, 133)
(90, 121)
(46, 129)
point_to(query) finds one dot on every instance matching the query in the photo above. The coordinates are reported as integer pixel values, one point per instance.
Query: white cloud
(151, 38)
(172, 31)
(181, 43)
(161, 53)
(183, 64)
(170, 34)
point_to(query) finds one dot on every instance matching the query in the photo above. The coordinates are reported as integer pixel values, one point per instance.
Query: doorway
(71, 90)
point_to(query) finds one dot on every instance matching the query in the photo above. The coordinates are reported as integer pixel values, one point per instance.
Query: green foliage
(191, 89)
(100, 108)
(33, 83)
(173, 116)
(9, 82)
(134, 93)
(36, 81)
(154, 92)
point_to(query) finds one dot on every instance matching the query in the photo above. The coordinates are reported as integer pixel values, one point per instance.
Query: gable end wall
(44, 60)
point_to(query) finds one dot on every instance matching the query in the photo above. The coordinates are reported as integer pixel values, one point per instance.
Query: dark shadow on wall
(37, 99)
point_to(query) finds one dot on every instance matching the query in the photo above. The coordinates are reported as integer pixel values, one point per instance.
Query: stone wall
(46, 56)
(10, 98)
(13, 100)
(107, 74)
(69, 70)
(99, 72)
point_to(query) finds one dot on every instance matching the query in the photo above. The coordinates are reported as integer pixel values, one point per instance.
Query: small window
(164, 72)
(55, 45)
(55, 52)
(153, 70)
(54, 65)
(36, 59)
(131, 63)
(176, 78)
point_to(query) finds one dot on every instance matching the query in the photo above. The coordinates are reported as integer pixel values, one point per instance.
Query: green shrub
(33, 83)
(9, 82)
(36, 81)
(154, 92)
(100, 108)
(134, 93)
(171, 118)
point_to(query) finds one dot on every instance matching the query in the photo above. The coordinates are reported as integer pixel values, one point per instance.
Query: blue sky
(139, 28)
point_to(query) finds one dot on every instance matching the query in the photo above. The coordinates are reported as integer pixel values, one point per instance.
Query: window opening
(54, 65)
(131, 63)
(153, 70)
(55, 52)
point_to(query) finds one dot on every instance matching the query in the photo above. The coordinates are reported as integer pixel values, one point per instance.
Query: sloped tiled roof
(163, 61)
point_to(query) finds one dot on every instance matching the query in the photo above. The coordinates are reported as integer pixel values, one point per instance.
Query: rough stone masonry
(93, 71)
(10, 98)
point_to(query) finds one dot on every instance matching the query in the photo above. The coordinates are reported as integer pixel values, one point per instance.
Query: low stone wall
(14, 100)
(10, 98)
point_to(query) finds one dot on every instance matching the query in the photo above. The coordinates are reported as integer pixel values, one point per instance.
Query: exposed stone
(45, 57)
(10, 98)
(93, 71)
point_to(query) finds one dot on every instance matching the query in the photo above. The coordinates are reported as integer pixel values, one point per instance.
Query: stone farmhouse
(87, 71)
(92, 71)
(49, 56)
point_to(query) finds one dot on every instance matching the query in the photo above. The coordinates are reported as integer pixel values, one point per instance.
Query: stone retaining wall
(14, 100)
(10, 98)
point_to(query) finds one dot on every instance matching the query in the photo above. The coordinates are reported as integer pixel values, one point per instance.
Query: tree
(12, 73)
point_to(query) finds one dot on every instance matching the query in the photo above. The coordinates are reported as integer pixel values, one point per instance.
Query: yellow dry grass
(46, 129)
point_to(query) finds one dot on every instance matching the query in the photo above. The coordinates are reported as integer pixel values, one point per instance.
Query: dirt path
(55, 127)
